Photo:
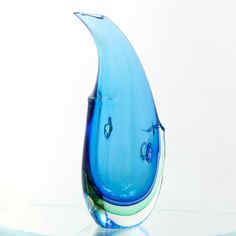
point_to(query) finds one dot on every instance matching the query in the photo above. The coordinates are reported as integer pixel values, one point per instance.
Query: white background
(48, 66)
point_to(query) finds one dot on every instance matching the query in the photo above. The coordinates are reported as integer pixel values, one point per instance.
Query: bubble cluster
(146, 151)
(108, 128)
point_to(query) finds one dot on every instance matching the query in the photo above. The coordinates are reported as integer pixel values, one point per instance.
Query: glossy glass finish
(124, 142)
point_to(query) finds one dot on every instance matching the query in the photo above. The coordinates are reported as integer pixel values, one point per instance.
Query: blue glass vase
(124, 145)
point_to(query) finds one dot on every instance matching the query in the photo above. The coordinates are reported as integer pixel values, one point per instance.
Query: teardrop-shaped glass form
(124, 143)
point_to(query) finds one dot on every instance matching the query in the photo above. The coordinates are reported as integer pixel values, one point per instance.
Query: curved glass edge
(4, 231)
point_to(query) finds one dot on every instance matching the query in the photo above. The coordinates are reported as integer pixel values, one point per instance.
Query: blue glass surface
(122, 142)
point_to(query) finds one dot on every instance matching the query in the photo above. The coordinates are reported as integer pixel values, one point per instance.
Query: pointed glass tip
(89, 14)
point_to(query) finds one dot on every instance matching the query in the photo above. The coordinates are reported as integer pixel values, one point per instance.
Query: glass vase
(124, 145)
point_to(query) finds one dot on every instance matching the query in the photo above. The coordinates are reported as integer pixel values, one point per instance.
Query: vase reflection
(98, 231)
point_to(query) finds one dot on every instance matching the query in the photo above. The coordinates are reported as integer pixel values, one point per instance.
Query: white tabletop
(74, 220)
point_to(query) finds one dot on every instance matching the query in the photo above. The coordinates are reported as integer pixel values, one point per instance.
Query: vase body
(124, 145)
